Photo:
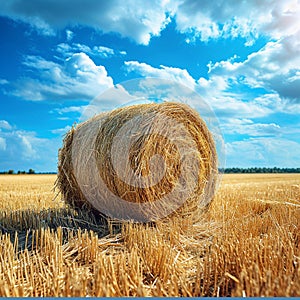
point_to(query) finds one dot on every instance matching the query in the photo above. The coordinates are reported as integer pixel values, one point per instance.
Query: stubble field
(247, 244)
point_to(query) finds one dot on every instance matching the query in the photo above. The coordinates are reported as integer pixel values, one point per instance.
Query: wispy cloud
(69, 109)
(68, 112)
(69, 34)
(262, 152)
(249, 128)
(5, 125)
(3, 81)
(2, 144)
(97, 51)
(61, 131)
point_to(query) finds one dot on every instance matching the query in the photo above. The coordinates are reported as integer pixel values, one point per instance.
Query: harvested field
(247, 244)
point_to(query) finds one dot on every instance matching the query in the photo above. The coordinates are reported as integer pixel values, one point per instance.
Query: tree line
(223, 170)
(30, 171)
(260, 170)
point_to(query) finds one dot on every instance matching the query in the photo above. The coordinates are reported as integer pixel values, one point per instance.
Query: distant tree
(31, 171)
(10, 172)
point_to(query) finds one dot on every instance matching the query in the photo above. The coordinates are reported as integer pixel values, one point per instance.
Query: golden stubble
(247, 244)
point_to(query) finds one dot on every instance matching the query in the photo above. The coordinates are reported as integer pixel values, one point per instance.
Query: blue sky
(242, 57)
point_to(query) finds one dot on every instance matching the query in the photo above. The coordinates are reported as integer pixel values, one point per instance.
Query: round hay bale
(142, 162)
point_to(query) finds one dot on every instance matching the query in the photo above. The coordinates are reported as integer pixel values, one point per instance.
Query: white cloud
(65, 49)
(213, 90)
(104, 51)
(69, 109)
(21, 150)
(277, 104)
(213, 85)
(18, 141)
(69, 35)
(207, 20)
(61, 131)
(263, 152)
(110, 99)
(97, 51)
(77, 78)
(248, 127)
(139, 20)
(5, 125)
(170, 73)
(26, 141)
(81, 48)
(234, 106)
(275, 67)
(3, 81)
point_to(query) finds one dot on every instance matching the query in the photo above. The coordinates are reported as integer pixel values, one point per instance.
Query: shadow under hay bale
(131, 139)
(22, 225)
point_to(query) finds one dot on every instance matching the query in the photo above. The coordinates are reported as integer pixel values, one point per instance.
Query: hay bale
(142, 162)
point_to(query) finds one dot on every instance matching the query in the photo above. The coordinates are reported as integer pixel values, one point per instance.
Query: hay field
(248, 244)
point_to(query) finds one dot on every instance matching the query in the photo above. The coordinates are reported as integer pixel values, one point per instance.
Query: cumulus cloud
(278, 104)
(176, 74)
(139, 20)
(275, 67)
(207, 20)
(262, 142)
(77, 78)
(212, 90)
(217, 90)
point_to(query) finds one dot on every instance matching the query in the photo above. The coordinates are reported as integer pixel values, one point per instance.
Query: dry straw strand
(168, 129)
